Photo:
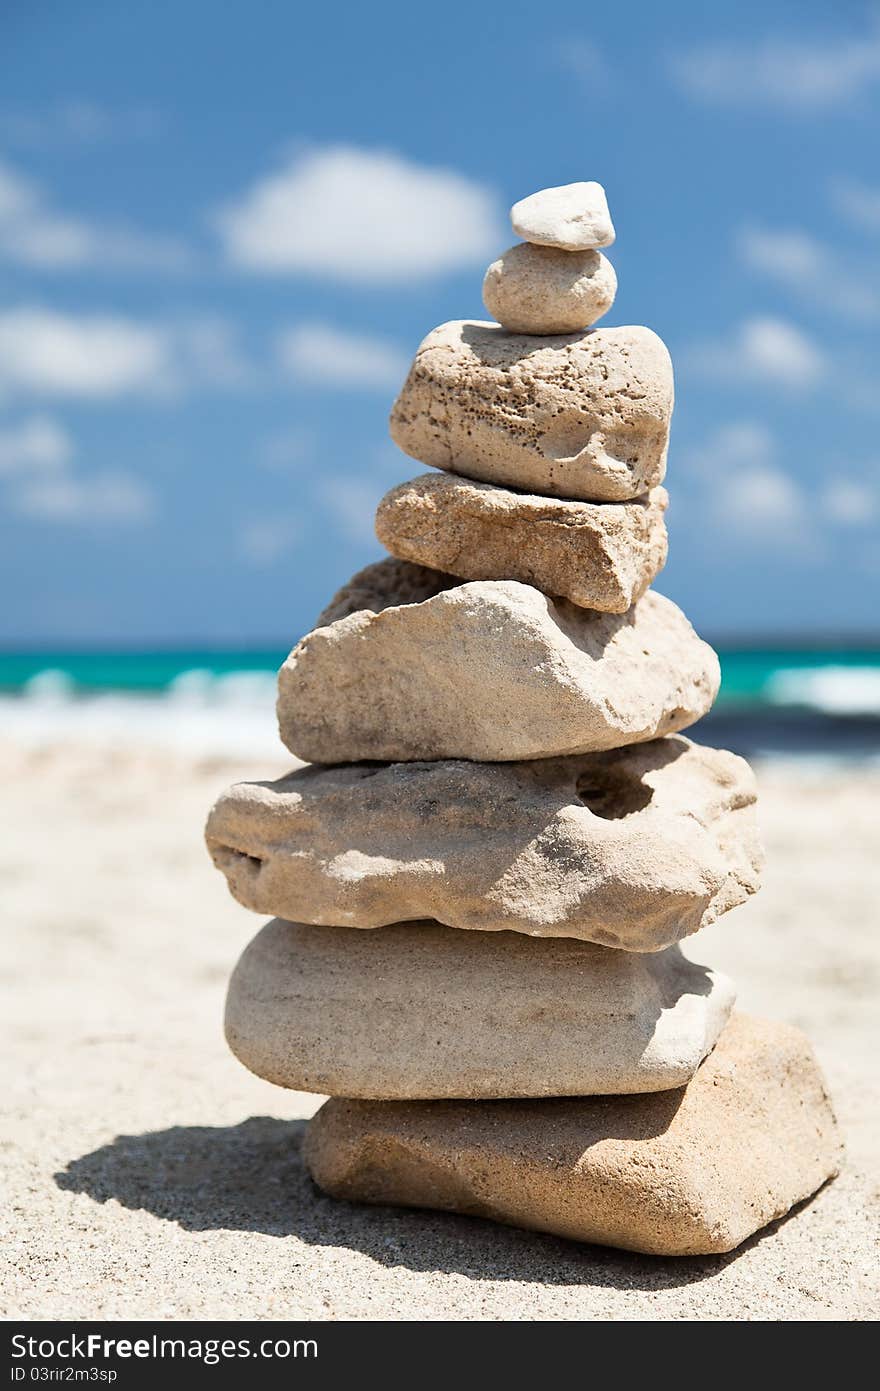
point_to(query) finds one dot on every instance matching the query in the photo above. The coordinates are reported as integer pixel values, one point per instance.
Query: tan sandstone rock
(635, 848)
(600, 555)
(489, 670)
(372, 588)
(576, 415)
(539, 289)
(676, 1173)
(420, 1011)
(573, 217)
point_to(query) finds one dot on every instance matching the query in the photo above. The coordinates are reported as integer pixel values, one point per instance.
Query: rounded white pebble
(573, 217)
(539, 289)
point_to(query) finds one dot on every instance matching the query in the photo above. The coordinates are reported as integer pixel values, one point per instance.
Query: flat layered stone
(688, 1172)
(492, 670)
(600, 555)
(635, 848)
(573, 217)
(539, 289)
(421, 1011)
(573, 415)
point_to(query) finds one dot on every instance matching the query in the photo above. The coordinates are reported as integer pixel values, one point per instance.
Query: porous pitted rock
(419, 1011)
(571, 415)
(678, 1173)
(635, 848)
(488, 670)
(573, 217)
(539, 289)
(370, 588)
(600, 555)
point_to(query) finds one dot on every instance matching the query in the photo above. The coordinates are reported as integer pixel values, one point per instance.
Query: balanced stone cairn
(480, 883)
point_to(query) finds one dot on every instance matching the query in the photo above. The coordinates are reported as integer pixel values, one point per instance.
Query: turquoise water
(838, 680)
(792, 702)
(131, 671)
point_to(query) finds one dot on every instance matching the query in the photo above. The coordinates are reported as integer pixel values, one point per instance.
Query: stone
(600, 555)
(491, 670)
(689, 1172)
(572, 415)
(421, 1011)
(635, 848)
(539, 289)
(372, 587)
(573, 217)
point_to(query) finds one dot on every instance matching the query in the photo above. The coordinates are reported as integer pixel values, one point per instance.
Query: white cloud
(79, 123)
(761, 497)
(286, 451)
(583, 59)
(819, 274)
(778, 350)
(35, 446)
(362, 216)
(762, 350)
(740, 490)
(104, 497)
(206, 353)
(37, 468)
(858, 387)
(328, 356)
(791, 74)
(100, 357)
(266, 540)
(793, 256)
(352, 501)
(858, 202)
(33, 233)
(731, 447)
(850, 501)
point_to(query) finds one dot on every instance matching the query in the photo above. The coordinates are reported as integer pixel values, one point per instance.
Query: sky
(224, 230)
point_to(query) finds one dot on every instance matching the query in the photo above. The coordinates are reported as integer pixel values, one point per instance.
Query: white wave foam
(200, 713)
(834, 690)
(233, 714)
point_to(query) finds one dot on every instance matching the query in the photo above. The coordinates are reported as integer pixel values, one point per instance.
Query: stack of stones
(480, 883)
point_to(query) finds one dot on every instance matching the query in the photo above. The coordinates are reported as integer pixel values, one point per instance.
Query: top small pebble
(573, 217)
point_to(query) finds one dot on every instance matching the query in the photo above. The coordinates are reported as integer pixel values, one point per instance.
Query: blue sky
(225, 228)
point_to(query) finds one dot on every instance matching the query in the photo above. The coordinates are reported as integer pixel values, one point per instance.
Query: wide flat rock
(581, 415)
(420, 1011)
(600, 555)
(635, 848)
(491, 670)
(685, 1172)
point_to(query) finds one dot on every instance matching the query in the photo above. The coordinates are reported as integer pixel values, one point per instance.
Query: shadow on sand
(250, 1177)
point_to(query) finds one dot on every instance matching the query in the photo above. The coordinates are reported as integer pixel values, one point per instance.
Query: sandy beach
(148, 1175)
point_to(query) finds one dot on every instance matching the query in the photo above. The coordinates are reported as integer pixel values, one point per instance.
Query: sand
(148, 1175)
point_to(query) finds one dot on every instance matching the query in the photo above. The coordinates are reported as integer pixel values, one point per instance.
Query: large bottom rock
(419, 1011)
(686, 1172)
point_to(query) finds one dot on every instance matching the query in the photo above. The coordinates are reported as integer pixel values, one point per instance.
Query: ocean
(797, 702)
